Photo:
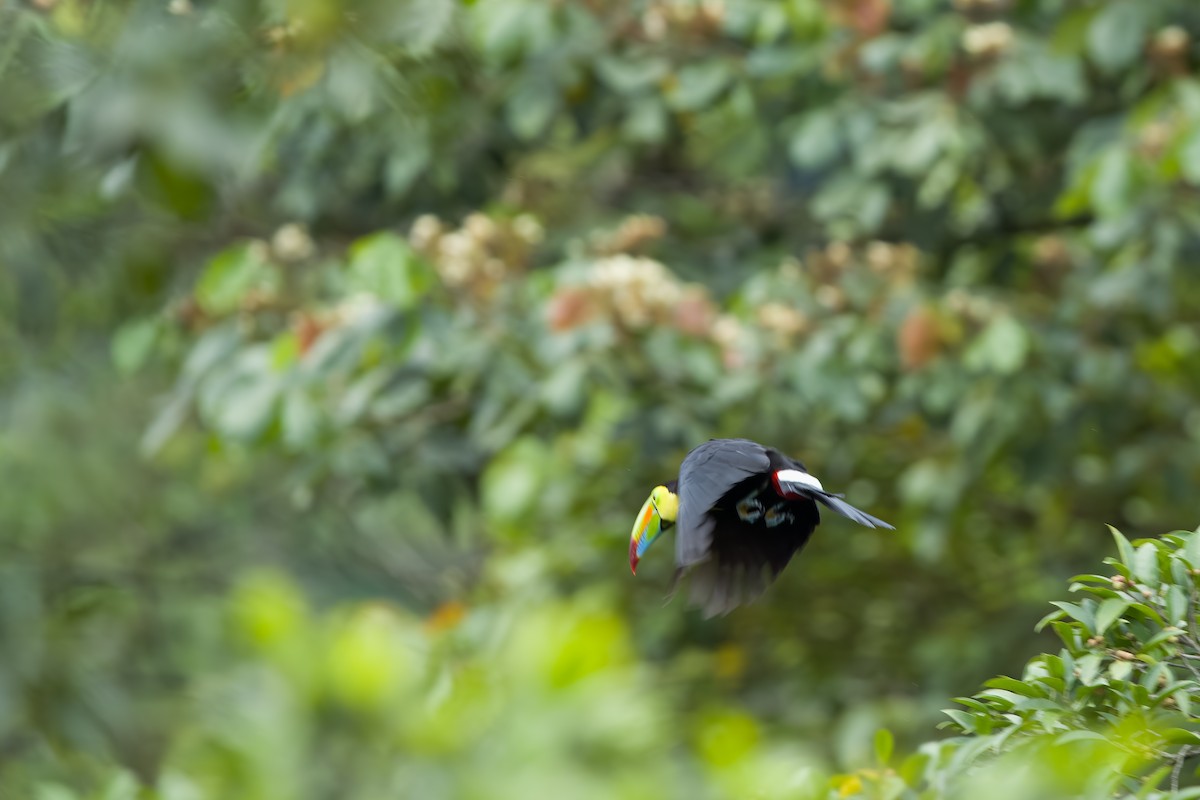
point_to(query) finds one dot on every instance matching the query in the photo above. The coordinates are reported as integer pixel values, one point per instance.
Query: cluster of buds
(1051, 253)
(632, 294)
(701, 18)
(896, 262)
(284, 36)
(1119, 581)
(634, 233)
(974, 309)
(292, 243)
(988, 41)
(783, 321)
(752, 202)
(475, 259)
(1154, 138)
(729, 335)
(1169, 50)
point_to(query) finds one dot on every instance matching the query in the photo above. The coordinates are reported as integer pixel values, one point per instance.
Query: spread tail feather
(795, 483)
(850, 512)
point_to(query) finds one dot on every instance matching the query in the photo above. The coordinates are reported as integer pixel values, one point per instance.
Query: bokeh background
(341, 341)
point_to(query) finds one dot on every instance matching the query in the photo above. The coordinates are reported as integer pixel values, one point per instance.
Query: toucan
(741, 512)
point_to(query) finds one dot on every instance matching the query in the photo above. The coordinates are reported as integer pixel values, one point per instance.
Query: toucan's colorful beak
(646, 529)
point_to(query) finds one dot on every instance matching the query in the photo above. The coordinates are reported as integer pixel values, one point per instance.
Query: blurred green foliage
(341, 341)
(1109, 716)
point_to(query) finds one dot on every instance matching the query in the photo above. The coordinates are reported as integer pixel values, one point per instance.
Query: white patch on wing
(796, 476)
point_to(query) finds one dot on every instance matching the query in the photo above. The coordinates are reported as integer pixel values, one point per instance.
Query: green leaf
(1124, 548)
(239, 400)
(1189, 157)
(913, 767)
(646, 120)
(1001, 348)
(356, 400)
(1088, 667)
(407, 162)
(1179, 570)
(697, 85)
(232, 275)
(816, 140)
(385, 266)
(1145, 564)
(1003, 698)
(1116, 35)
(1080, 612)
(166, 422)
(122, 786)
(1176, 604)
(1191, 551)
(1149, 613)
(1159, 638)
(300, 419)
(1046, 620)
(1014, 685)
(1109, 611)
(631, 76)
(884, 745)
(1095, 591)
(1110, 189)
(1181, 736)
(133, 343)
(512, 483)
(1080, 736)
(1120, 670)
(1069, 633)
(973, 704)
(1090, 578)
(1052, 683)
(531, 108)
(859, 204)
(961, 718)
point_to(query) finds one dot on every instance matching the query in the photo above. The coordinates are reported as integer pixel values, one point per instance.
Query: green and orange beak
(657, 515)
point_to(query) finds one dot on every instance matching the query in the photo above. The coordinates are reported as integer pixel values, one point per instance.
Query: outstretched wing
(705, 476)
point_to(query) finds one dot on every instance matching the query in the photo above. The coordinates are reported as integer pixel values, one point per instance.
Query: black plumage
(745, 511)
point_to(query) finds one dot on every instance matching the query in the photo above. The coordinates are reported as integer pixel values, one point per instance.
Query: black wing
(747, 554)
(705, 476)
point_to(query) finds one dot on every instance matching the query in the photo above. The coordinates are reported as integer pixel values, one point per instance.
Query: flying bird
(741, 511)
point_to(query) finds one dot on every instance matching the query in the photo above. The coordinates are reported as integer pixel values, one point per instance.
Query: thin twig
(1184, 753)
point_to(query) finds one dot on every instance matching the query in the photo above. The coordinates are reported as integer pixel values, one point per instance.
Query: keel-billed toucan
(740, 510)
